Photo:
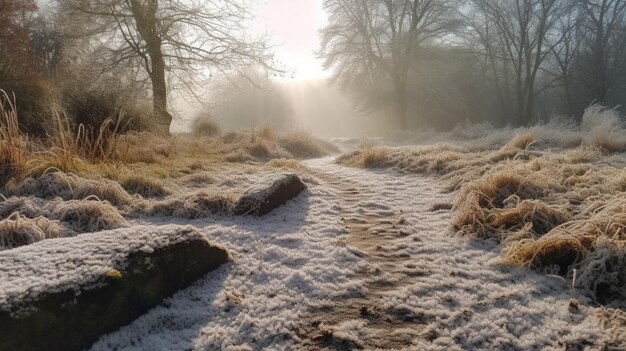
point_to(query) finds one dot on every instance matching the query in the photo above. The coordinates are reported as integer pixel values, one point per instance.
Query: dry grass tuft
(605, 129)
(479, 210)
(302, 145)
(260, 148)
(239, 156)
(18, 231)
(199, 179)
(267, 144)
(284, 163)
(59, 218)
(265, 133)
(369, 157)
(610, 142)
(438, 159)
(143, 147)
(70, 187)
(88, 216)
(598, 117)
(531, 216)
(144, 186)
(520, 142)
(12, 154)
(193, 206)
(547, 252)
(87, 142)
(573, 241)
(26, 207)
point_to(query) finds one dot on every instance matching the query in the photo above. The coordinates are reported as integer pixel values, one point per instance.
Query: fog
(312, 105)
(336, 68)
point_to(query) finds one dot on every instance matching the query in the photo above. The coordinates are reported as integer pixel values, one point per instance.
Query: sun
(294, 27)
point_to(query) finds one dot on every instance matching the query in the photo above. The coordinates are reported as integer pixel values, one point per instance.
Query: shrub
(33, 100)
(93, 105)
(598, 117)
(605, 128)
(203, 125)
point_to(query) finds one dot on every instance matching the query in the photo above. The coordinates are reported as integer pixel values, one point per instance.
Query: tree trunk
(519, 119)
(401, 109)
(530, 106)
(145, 15)
(159, 90)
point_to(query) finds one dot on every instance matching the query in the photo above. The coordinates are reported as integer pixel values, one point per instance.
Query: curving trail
(360, 261)
(426, 289)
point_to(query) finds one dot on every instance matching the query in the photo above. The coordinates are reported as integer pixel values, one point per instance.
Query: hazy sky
(294, 26)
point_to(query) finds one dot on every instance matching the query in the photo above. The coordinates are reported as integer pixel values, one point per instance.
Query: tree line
(415, 62)
(506, 61)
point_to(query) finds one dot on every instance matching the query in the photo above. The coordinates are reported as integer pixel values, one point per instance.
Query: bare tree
(603, 57)
(47, 45)
(172, 42)
(564, 53)
(516, 37)
(375, 42)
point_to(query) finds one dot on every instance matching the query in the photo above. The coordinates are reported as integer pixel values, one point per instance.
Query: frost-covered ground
(360, 260)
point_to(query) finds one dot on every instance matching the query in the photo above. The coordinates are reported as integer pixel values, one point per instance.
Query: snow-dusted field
(360, 260)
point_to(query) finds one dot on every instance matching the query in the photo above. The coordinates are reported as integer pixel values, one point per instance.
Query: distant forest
(417, 62)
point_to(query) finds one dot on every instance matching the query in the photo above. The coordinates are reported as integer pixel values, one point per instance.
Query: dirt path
(424, 287)
(374, 229)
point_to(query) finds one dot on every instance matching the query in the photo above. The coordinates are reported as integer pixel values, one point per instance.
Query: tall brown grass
(12, 154)
(67, 150)
(97, 144)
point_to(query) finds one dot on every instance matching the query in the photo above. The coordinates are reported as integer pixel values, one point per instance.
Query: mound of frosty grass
(64, 294)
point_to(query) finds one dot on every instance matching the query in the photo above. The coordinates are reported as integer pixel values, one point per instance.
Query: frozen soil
(362, 259)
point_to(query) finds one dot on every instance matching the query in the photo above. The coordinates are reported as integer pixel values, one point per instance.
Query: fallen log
(64, 294)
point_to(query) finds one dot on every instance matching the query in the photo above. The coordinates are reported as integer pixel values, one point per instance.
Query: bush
(33, 100)
(91, 104)
(605, 128)
(204, 125)
(597, 117)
